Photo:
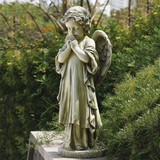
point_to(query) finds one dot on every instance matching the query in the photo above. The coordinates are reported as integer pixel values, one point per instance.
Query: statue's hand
(74, 44)
(71, 38)
(68, 45)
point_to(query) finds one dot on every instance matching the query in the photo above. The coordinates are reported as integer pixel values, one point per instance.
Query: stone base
(47, 144)
(92, 153)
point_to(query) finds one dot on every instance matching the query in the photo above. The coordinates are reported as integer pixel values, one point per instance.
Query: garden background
(129, 97)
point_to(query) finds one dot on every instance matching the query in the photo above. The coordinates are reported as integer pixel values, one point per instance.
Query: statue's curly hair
(80, 15)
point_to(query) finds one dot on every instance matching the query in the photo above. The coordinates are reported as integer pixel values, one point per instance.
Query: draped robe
(77, 98)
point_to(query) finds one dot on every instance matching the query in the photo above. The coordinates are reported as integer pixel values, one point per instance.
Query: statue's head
(80, 15)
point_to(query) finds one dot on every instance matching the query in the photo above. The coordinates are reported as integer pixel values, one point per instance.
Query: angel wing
(104, 49)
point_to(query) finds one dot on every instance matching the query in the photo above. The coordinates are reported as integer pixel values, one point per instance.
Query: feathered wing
(104, 49)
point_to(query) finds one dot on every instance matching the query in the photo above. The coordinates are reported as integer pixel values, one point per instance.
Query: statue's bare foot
(79, 148)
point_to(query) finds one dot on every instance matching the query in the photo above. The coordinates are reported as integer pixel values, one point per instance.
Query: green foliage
(28, 81)
(132, 49)
(29, 87)
(131, 117)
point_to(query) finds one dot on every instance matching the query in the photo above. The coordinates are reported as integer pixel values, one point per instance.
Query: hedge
(132, 117)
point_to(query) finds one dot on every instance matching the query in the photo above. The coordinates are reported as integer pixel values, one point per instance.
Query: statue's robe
(77, 99)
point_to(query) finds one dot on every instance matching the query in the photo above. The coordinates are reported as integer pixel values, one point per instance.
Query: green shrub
(28, 81)
(132, 49)
(29, 87)
(131, 117)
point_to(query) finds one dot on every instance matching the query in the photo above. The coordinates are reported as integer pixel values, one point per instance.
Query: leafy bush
(28, 82)
(29, 87)
(131, 117)
(132, 49)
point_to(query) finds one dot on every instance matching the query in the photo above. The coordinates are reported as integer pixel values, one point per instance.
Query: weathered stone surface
(49, 151)
(93, 153)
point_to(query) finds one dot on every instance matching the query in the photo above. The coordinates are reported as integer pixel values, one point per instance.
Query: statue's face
(75, 29)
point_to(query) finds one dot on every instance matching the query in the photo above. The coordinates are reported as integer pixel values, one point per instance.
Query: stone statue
(82, 61)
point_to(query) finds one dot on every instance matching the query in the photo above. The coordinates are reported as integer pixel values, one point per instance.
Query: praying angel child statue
(82, 63)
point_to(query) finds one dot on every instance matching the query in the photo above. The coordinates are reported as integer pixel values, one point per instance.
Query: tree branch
(55, 22)
(33, 18)
(94, 8)
(6, 20)
(102, 13)
(57, 9)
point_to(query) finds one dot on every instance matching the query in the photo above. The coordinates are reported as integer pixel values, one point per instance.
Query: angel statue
(82, 61)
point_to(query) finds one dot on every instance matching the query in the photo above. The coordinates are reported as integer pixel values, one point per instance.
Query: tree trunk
(89, 6)
(129, 13)
(81, 3)
(67, 4)
(149, 6)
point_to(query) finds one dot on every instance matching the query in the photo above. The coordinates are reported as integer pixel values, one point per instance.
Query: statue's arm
(64, 53)
(79, 52)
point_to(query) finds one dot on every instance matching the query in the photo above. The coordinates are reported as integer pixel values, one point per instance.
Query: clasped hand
(73, 43)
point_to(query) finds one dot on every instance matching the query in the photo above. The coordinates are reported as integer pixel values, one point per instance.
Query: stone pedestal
(45, 146)
(93, 153)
